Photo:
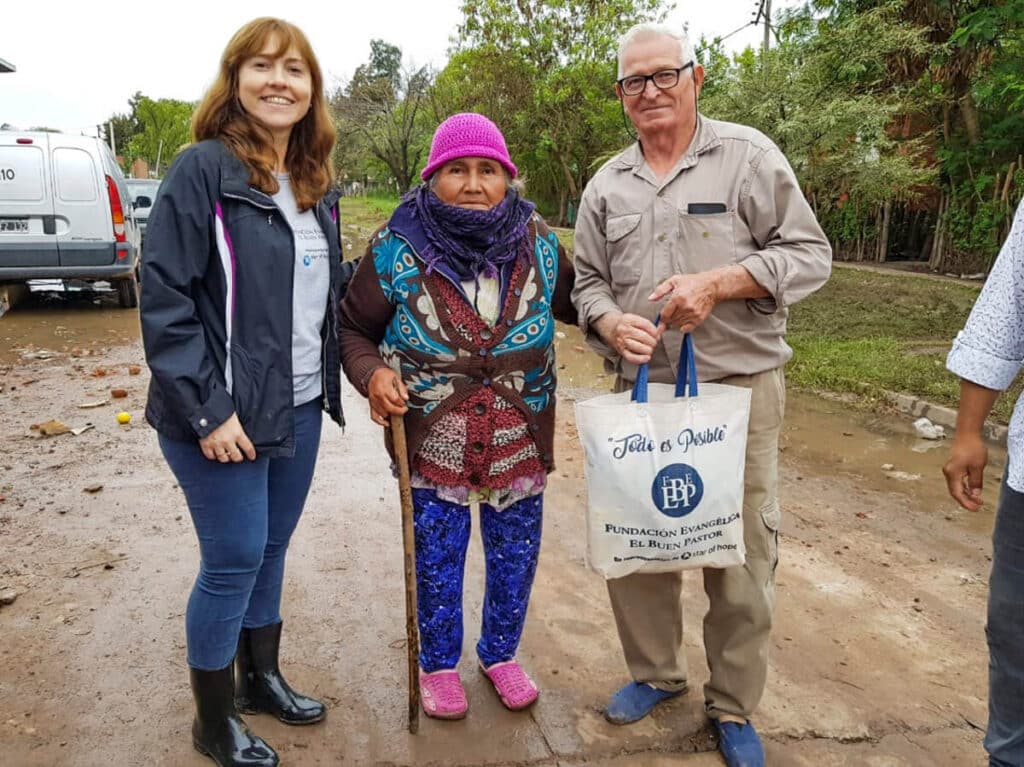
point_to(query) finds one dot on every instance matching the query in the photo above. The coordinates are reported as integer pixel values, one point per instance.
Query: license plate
(15, 225)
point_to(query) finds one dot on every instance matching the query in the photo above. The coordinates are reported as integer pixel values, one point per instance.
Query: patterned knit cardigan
(396, 315)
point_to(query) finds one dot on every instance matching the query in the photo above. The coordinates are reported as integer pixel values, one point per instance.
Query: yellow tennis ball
(124, 417)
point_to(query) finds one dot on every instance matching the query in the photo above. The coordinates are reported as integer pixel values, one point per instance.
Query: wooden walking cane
(412, 640)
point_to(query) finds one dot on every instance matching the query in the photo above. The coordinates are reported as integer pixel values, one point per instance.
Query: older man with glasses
(704, 222)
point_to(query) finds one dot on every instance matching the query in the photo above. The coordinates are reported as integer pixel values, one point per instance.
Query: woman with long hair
(241, 279)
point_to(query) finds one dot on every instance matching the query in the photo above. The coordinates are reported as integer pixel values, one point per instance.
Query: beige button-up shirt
(731, 199)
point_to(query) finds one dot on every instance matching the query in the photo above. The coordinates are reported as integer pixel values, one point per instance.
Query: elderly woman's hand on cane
(387, 396)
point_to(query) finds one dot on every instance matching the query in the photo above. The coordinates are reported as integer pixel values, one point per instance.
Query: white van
(65, 213)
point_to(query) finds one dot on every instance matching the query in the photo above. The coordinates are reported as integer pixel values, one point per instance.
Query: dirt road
(878, 654)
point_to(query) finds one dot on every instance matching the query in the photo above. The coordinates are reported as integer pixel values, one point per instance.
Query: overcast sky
(89, 58)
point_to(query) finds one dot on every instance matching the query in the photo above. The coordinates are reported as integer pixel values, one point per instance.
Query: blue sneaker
(635, 701)
(739, 744)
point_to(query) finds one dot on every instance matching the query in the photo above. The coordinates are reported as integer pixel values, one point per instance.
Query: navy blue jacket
(216, 304)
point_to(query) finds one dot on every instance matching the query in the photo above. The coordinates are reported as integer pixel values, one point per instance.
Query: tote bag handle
(686, 381)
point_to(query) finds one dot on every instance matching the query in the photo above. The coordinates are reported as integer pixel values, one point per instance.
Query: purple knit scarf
(472, 242)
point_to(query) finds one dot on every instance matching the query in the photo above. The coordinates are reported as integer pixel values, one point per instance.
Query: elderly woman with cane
(449, 321)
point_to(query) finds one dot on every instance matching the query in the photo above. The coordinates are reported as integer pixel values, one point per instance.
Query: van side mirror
(142, 201)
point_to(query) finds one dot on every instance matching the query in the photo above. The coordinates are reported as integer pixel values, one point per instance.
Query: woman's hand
(228, 442)
(387, 395)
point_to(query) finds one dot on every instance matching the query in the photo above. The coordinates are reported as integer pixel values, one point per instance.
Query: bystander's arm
(986, 355)
(968, 456)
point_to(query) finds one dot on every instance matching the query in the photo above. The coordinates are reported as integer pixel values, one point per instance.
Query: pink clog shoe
(516, 690)
(442, 695)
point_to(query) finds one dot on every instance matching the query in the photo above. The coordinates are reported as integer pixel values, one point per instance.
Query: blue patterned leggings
(511, 541)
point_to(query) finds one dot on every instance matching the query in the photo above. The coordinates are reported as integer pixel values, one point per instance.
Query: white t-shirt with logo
(309, 293)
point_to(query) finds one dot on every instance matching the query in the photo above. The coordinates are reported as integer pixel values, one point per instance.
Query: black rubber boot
(218, 731)
(259, 686)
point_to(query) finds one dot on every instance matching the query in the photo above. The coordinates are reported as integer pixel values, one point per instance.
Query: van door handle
(49, 225)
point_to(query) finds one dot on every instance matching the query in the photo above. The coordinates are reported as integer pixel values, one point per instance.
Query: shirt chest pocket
(624, 248)
(706, 241)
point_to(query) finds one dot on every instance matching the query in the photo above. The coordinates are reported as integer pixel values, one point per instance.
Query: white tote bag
(664, 471)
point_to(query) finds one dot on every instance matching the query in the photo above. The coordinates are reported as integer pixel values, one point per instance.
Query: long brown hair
(220, 115)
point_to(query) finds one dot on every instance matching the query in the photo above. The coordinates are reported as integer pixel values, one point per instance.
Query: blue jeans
(511, 541)
(244, 515)
(1004, 740)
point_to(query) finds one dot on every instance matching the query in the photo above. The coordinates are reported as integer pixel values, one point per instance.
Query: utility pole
(159, 150)
(113, 142)
(767, 23)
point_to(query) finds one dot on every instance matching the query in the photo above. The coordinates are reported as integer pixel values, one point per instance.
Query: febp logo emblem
(677, 490)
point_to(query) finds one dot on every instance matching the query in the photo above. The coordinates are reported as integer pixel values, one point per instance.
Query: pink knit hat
(467, 134)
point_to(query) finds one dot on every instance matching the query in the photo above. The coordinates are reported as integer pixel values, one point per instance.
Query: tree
(381, 116)
(165, 127)
(153, 129)
(902, 118)
(967, 83)
(825, 94)
(544, 72)
(978, 76)
(553, 32)
(124, 125)
(382, 73)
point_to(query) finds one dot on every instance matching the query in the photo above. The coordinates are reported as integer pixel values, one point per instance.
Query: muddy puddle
(60, 322)
(881, 452)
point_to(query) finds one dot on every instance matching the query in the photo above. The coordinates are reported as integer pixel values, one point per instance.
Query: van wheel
(128, 291)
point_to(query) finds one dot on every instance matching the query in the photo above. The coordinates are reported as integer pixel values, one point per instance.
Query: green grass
(860, 304)
(565, 236)
(360, 218)
(869, 332)
(864, 332)
(383, 206)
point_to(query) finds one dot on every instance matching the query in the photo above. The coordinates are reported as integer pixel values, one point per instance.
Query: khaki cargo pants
(648, 608)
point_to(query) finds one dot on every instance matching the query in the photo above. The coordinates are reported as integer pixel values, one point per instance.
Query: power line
(754, 22)
(760, 12)
(718, 40)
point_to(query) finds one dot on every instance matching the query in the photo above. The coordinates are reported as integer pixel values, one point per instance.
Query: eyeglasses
(663, 79)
